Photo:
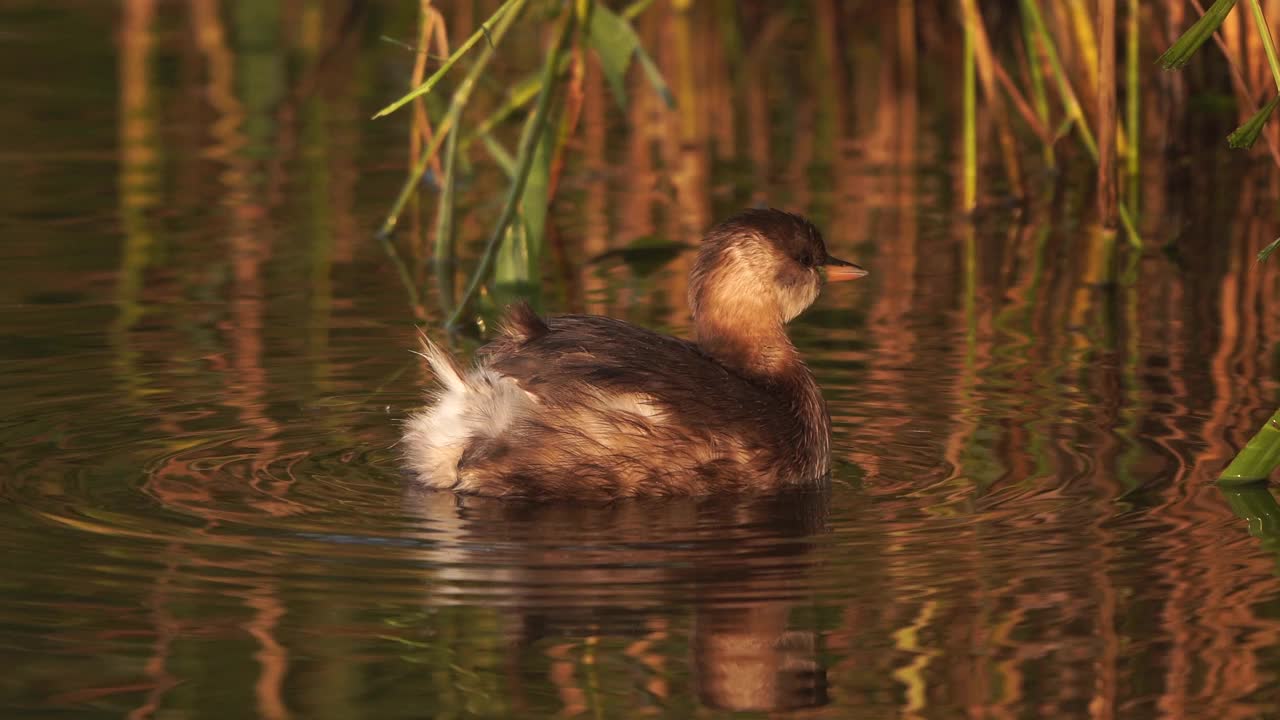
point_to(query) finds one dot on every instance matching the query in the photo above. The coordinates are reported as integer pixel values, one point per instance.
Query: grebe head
(760, 268)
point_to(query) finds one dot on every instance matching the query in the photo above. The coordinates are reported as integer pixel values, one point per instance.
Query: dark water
(204, 357)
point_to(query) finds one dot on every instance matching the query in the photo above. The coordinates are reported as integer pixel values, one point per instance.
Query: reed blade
(1268, 43)
(1038, 95)
(1133, 96)
(444, 257)
(1258, 459)
(1260, 511)
(1065, 90)
(484, 31)
(1186, 45)
(529, 139)
(515, 273)
(617, 44)
(521, 94)
(969, 133)
(1266, 251)
(1247, 134)
(461, 97)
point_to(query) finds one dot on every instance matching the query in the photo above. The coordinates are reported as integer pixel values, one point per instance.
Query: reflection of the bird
(625, 571)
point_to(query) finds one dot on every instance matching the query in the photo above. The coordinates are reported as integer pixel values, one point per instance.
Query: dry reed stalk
(431, 30)
(572, 114)
(1021, 105)
(1027, 50)
(756, 103)
(1086, 44)
(1079, 46)
(969, 136)
(1263, 34)
(573, 101)
(1066, 91)
(1133, 101)
(986, 63)
(907, 105)
(907, 43)
(686, 149)
(1106, 85)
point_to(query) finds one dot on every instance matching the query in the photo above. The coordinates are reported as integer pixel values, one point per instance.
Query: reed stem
(1268, 45)
(1068, 94)
(507, 9)
(402, 271)
(986, 64)
(1038, 95)
(1258, 459)
(1260, 511)
(529, 140)
(970, 190)
(461, 97)
(444, 257)
(1107, 119)
(1133, 96)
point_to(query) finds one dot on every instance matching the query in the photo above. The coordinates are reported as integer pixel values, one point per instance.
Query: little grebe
(587, 406)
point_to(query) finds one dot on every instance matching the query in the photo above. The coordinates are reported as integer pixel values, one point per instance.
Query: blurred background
(204, 343)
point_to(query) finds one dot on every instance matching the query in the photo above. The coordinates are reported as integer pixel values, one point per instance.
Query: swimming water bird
(590, 407)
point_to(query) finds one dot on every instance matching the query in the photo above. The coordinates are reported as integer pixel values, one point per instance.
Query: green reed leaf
(631, 11)
(431, 82)
(516, 265)
(1258, 508)
(1258, 459)
(530, 137)
(1268, 43)
(652, 72)
(500, 155)
(645, 255)
(520, 94)
(457, 104)
(1247, 134)
(615, 42)
(1186, 45)
(444, 257)
(1265, 252)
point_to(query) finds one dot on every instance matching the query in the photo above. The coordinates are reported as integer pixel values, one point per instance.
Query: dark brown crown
(795, 236)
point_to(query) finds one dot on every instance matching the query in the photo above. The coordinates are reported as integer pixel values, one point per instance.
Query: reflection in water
(203, 372)
(746, 659)
(561, 569)
(1258, 507)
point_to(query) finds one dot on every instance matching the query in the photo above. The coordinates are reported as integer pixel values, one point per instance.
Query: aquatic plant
(1190, 41)
(1062, 47)
(511, 256)
(1258, 459)
(1053, 85)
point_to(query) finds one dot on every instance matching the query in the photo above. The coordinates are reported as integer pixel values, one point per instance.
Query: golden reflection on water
(207, 510)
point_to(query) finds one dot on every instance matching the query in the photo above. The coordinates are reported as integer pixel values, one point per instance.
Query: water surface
(204, 356)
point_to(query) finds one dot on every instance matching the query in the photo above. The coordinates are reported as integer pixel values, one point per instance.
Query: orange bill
(841, 270)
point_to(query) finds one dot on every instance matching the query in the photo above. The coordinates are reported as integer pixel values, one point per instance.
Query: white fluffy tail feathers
(476, 405)
(442, 364)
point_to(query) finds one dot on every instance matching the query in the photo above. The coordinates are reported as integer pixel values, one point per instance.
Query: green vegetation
(1060, 75)
(1181, 51)
(511, 258)
(1260, 457)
